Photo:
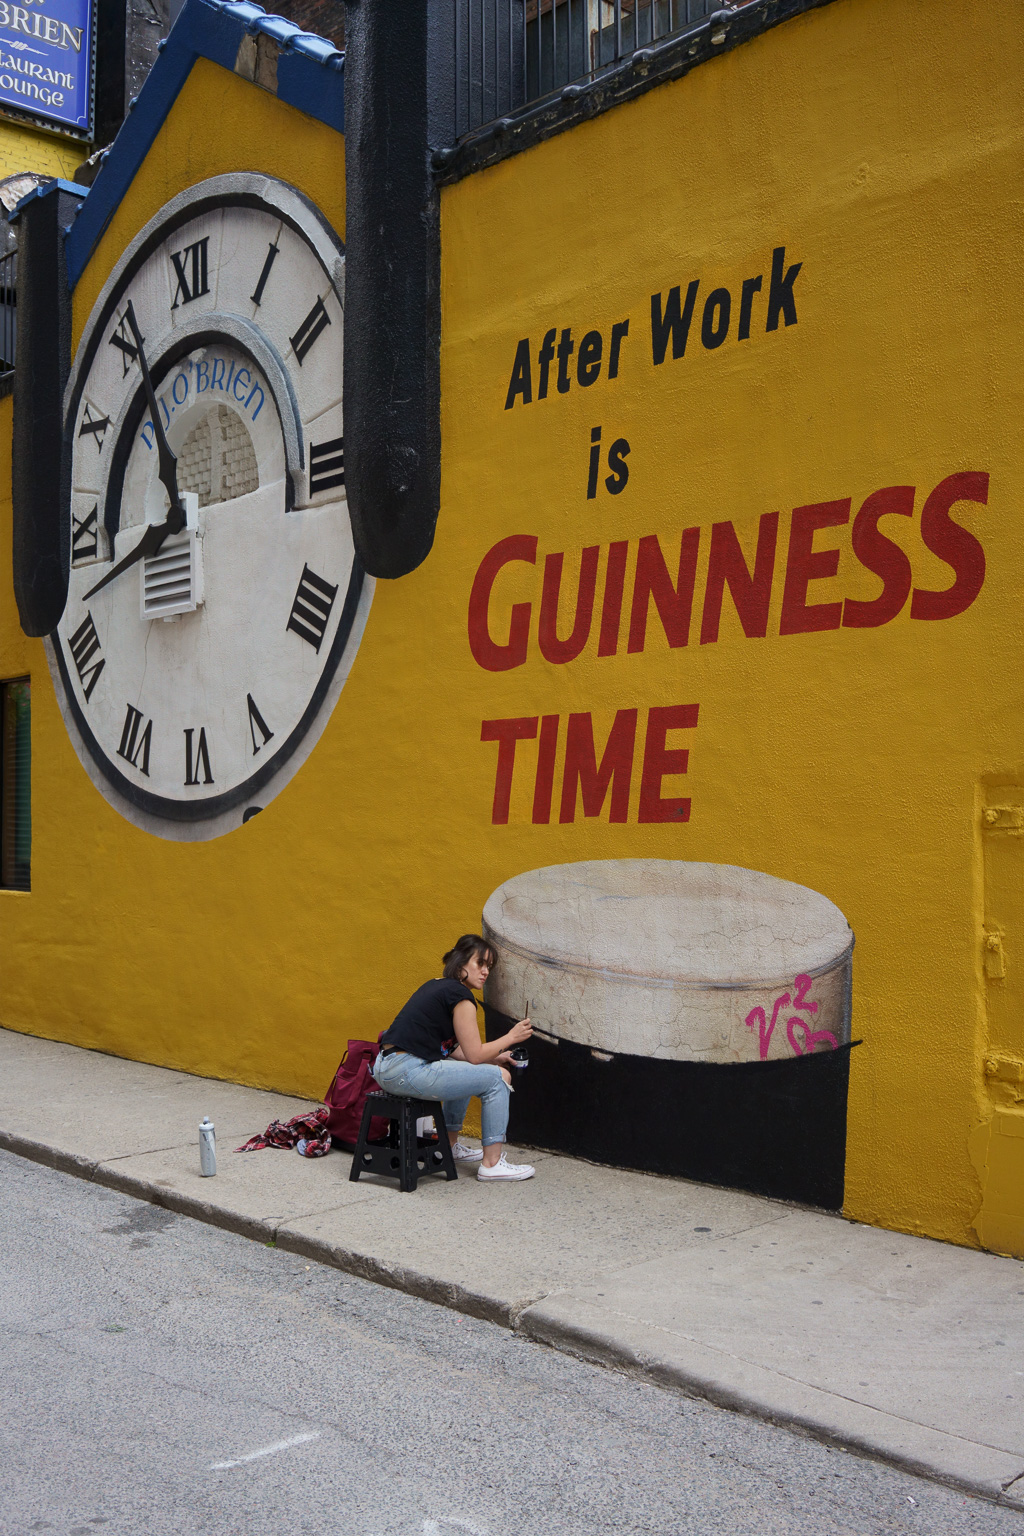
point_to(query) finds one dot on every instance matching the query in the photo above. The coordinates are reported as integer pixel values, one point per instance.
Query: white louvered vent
(172, 580)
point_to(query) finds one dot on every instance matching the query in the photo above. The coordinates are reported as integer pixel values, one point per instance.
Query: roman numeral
(257, 723)
(202, 758)
(257, 297)
(85, 536)
(135, 742)
(97, 425)
(124, 339)
(312, 607)
(191, 272)
(315, 322)
(326, 465)
(84, 644)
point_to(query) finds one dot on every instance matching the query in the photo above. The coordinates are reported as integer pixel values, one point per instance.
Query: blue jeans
(454, 1083)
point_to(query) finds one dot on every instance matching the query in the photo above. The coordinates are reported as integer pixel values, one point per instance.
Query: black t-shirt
(424, 1026)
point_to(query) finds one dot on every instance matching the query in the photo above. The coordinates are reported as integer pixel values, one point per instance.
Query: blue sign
(46, 60)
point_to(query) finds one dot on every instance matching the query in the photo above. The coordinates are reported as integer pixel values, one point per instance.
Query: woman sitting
(433, 1050)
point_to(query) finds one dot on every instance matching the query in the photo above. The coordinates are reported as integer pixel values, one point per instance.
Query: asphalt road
(162, 1378)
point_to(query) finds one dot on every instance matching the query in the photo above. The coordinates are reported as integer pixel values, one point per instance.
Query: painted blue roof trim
(310, 77)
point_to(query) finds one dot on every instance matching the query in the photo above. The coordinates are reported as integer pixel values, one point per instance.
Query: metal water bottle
(207, 1148)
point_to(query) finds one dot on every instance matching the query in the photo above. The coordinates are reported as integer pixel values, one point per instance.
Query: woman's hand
(518, 1033)
(484, 1052)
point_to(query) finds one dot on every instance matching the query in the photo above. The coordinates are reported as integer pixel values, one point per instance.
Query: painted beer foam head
(666, 958)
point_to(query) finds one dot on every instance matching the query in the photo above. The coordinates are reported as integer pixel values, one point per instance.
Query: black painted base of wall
(775, 1128)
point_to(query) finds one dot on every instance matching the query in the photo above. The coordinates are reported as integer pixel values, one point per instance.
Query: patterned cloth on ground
(308, 1134)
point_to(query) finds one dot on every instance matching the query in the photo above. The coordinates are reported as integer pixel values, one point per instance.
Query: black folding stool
(400, 1155)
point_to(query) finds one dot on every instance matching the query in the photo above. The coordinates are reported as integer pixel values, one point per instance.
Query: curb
(755, 1392)
(759, 1393)
(277, 1234)
(111, 1177)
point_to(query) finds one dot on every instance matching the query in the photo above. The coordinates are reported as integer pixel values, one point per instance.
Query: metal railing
(8, 310)
(509, 53)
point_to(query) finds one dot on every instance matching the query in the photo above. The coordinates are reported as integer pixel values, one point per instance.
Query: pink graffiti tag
(801, 987)
(811, 1038)
(766, 1030)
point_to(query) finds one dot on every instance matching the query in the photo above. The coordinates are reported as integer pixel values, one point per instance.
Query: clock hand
(167, 462)
(166, 459)
(149, 544)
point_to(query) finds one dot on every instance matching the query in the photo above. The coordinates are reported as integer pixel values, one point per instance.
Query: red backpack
(347, 1094)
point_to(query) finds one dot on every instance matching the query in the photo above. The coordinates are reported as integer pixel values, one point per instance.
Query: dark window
(15, 785)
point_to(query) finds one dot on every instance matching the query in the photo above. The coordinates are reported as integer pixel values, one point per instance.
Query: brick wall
(23, 148)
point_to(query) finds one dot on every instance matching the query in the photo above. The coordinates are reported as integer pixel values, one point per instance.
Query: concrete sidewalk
(906, 1349)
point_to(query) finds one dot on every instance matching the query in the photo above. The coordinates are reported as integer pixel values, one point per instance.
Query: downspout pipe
(40, 469)
(393, 55)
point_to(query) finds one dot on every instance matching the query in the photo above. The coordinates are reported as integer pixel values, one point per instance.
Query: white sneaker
(464, 1154)
(504, 1170)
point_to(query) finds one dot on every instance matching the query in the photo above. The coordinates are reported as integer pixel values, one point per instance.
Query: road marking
(268, 1450)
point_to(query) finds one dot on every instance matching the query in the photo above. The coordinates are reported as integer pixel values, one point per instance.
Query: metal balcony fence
(8, 310)
(509, 53)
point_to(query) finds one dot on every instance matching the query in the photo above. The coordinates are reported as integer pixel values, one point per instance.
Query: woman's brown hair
(471, 946)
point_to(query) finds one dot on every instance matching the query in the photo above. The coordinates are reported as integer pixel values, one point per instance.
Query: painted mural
(712, 665)
(688, 1019)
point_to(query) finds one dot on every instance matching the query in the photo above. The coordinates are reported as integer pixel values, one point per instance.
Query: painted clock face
(215, 599)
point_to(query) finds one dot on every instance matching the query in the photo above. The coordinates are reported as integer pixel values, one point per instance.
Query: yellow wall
(882, 147)
(207, 956)
(23, 148)
(885, 155)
